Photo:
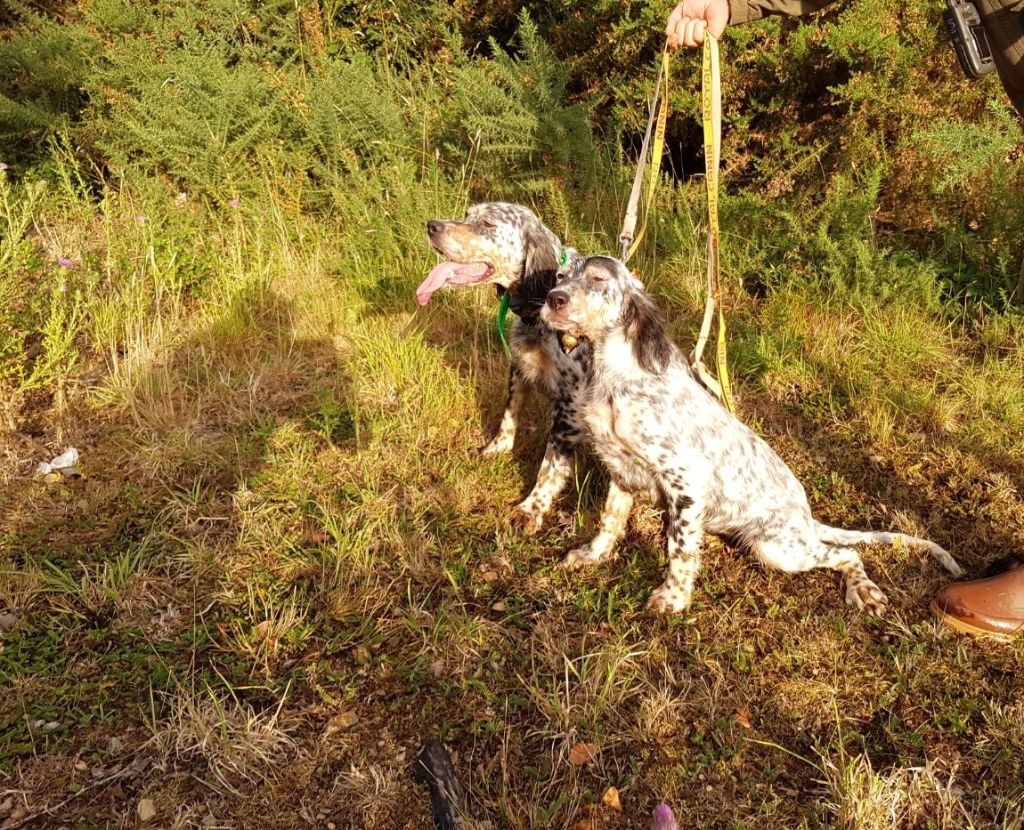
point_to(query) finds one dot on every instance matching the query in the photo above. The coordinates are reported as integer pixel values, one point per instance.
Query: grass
(283, 525)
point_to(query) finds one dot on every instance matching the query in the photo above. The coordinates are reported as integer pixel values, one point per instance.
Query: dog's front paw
(581, 557)
(864, 595)
(528, 519)
(669, 599)
(500, 444)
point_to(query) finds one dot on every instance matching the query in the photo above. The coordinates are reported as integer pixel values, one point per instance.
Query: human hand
(691, 18)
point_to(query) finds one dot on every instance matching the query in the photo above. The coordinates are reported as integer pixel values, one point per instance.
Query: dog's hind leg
(861, 592)
(795, 547)
(505, 438)
(613, 525)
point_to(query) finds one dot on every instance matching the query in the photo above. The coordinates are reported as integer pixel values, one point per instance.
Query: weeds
(284, 523)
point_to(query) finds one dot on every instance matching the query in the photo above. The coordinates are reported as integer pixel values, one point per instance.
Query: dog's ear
(541, 257)
(645, 329)
(540, 267)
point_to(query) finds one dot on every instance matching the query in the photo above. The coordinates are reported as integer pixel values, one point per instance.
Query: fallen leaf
(489, 576)
(584, 824)
(611, 799)
(146, 810)
(499, 606)
(583, 753)
(743, 717)
(341, 722)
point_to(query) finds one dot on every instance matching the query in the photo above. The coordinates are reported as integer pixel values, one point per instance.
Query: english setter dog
(660, 432)
(508, 246)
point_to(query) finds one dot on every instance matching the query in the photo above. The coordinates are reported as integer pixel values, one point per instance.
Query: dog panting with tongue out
(629, 392)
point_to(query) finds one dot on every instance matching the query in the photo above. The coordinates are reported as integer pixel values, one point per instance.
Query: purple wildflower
(235, 203)
(663, 818)
(64, 262)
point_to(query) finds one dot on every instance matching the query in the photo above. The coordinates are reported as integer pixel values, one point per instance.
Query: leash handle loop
(657, 119)
(711, 113)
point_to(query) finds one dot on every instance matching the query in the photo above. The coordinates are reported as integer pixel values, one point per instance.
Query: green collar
(502, 317)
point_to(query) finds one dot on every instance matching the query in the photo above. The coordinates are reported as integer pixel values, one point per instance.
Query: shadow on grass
(115, 583)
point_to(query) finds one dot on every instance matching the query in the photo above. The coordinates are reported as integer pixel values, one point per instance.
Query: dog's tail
(838, 536)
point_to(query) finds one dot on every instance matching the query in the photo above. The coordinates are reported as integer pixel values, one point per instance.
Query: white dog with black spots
(661, 434)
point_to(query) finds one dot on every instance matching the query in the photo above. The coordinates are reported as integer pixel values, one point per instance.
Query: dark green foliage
(853, 130)
(44, 69)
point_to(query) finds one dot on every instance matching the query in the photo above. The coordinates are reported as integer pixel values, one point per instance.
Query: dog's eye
(486, 224)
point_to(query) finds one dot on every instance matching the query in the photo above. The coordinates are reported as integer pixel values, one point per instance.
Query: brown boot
(992, 607)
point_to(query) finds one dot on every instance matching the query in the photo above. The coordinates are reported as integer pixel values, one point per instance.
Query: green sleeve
(743, 11)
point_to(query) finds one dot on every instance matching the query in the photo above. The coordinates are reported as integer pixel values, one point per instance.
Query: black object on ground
(434, 768)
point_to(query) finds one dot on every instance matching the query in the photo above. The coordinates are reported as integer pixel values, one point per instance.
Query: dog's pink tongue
(449, 273)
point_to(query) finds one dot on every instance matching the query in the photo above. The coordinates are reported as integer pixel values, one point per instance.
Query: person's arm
(743, 11)
(691, 18)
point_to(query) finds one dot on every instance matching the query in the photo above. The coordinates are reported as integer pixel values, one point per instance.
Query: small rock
(146, 810)
(332, 826)
(113, 745)
(499, 606)
(8, 621)
(51, 725)
(489, 576)
(81, 766)
(611, 799)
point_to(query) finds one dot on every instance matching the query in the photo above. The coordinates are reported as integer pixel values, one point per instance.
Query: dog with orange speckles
(661, 433)
(506, 245)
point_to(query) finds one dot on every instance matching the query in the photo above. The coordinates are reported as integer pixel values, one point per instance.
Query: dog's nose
(433, 226)
(558, 299)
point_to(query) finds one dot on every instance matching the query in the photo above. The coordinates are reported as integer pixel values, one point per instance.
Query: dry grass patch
(234, 743)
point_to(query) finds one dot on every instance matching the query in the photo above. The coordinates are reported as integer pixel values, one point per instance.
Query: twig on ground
(132, 769)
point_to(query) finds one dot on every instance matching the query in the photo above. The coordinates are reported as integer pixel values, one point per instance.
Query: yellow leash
(711, 106)
(656, 121)
(657, 151)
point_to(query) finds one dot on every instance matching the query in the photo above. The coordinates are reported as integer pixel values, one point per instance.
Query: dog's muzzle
(556, 301)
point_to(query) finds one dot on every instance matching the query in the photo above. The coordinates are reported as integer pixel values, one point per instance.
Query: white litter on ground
(66, 463)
